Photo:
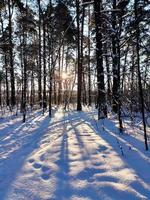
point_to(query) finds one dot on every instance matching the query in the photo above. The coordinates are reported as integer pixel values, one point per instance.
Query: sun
(64, 75)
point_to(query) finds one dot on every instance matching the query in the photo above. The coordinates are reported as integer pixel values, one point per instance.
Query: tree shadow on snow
(133, 149)
(27, 144)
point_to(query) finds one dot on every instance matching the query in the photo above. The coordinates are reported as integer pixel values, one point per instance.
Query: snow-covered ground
(72, 157)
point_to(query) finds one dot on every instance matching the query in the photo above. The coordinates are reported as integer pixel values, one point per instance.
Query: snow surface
(72, 157)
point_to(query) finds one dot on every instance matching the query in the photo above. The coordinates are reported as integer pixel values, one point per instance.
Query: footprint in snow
(45, 176)
(37, 165)
(91, 140)
(102, 148)
(31, 160)
(45, 173)
(88, 173)
(98, 163)
(106, 179)
(42, 157)
(45, 169)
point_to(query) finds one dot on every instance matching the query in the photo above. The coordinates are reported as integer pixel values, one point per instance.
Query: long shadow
(64, 189)
(107, 191)
(18, 133)
(110, 127)
(11, 125)
(142, 184)
(80, 142)
(129, 141)
(16, 138)
(63, 163)
(88, 172)
(10, 167)
(59, 123)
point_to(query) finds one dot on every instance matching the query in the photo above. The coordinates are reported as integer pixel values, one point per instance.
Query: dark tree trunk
(24, 76)
(12, 77)
(79, 77)
(7, 83)
(118, 95)
(22, 68)
(132, 69)
(84, 89)
(108, 74)
(59, 79)
(82, 57)
(39, 63)
(32, 90)
(115, 90)
(51, 73)
(139, 72)
(0, 92)
(55, 92)
(50, 97)
(101, 99)
(89, 60)
(5, 66)
(44, 67)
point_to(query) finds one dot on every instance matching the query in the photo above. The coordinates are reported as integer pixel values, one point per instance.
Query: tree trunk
(89, 60)
(5, 66)
(114, 61)
(101, 99)
(59, 78)
(108, 73)
(79, 77)
(0, 91)
(32, 90)
(40, 66)
(139, 72)
(82, 57)
(12, 77)
(24, 76)
(7, 83)
(44, 67)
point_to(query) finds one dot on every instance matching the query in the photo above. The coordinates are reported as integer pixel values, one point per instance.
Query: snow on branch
(86, 3)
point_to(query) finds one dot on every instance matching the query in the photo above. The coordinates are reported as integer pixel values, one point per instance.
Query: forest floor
(72, 157)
